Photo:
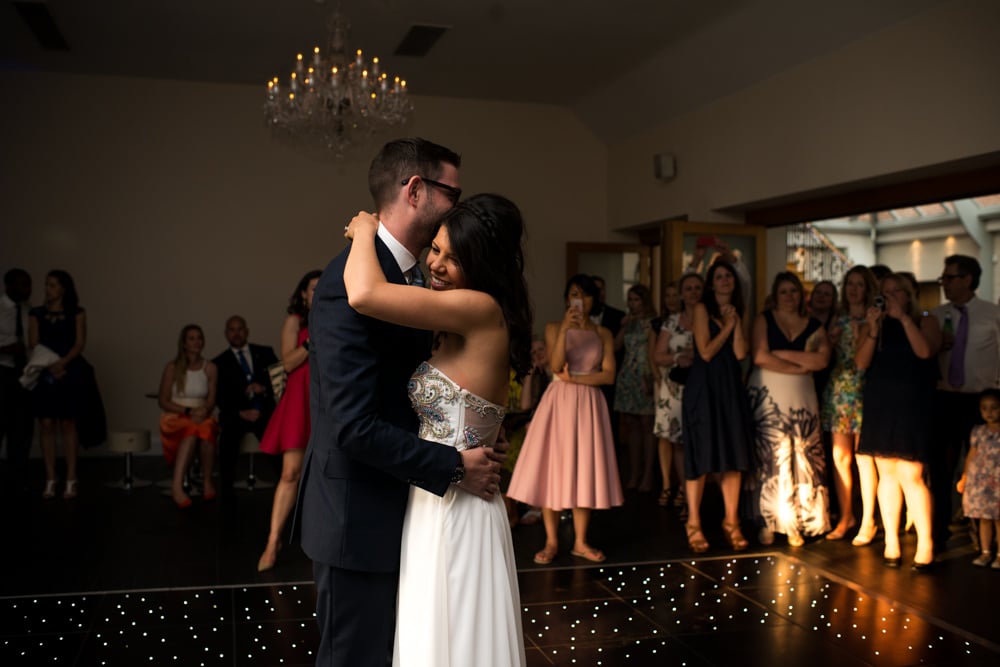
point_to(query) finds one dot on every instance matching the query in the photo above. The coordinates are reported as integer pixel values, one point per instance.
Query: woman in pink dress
(287, 433)
(568, 457)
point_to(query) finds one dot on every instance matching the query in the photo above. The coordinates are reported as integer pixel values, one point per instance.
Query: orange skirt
(174, 428)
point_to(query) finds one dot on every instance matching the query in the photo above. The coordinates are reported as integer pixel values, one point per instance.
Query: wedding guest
(969, 363)
(842, 408)
(635, 400)
(789, 488)
(716, 412)
(245, 397)
(897, 351)
(674, 349)
(187, 398)
(287, 432)
(568, 458)
(16, 420)
(66, 398)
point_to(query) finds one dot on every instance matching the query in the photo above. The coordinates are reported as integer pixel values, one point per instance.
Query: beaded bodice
(450, 414)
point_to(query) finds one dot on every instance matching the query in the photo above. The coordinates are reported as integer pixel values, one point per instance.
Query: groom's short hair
(402, 159)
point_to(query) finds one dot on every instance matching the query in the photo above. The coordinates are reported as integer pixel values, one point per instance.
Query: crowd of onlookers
(828, 414)
(208, 407)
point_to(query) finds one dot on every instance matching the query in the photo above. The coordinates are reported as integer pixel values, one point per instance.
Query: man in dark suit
(363, 450)
(244, 395)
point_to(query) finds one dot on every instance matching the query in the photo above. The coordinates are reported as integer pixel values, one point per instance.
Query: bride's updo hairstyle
(485, 232)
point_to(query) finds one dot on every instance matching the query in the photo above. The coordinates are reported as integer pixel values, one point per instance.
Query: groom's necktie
(956, 368)
(415, 276)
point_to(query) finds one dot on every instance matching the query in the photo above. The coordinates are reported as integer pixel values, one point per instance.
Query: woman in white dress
(458, 600)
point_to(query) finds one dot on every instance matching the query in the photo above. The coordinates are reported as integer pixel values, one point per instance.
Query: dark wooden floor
(115, 578)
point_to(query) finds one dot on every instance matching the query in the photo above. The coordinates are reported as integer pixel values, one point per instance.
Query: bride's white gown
(458, 600)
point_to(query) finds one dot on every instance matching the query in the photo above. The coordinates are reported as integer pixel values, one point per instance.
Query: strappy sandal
(664, 498)
(70, 492)
(50, 489)
(733, 535)
(696, 539)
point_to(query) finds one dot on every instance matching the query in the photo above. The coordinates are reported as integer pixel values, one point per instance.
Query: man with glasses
(969, 362)
(363, 449)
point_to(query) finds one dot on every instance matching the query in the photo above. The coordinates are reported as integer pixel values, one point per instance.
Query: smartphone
(705, 242)
(576, 303)
(880, 302)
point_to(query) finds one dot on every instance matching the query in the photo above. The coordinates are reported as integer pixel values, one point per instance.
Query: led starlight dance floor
(116, 578)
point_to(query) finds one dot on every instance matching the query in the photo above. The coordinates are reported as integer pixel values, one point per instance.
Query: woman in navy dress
(60, 395)
(716, 410)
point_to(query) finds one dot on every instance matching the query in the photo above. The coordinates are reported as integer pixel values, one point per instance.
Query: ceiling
(621, 66)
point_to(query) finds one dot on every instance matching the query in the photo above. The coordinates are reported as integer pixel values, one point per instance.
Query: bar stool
(128, 443)
(251, 445)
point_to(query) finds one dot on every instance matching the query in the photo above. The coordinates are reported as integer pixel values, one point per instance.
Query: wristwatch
(459, 474)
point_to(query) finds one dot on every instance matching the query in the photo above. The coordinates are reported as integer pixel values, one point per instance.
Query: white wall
(923, 92)
(169, 203)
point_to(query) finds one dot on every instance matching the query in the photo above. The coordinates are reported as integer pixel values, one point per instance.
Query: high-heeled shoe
(922, 568)
(50, 489)
(734, 536)
(863, 539)
(70, 492)
(696, 538)
(893, 563)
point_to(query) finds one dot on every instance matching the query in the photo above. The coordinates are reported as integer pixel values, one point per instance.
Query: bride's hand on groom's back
(482, 472)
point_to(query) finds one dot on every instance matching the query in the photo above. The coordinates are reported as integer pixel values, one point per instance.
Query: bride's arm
(368, 292)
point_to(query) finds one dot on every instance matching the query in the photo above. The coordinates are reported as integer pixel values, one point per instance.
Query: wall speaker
(664, 167)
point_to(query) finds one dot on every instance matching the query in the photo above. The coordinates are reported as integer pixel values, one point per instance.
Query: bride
(458, 600)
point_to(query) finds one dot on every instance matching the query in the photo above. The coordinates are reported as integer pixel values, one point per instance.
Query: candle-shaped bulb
(358, 60)
(298, 63)
(316, 56)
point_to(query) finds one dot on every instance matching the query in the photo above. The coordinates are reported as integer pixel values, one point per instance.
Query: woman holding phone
(568, 457)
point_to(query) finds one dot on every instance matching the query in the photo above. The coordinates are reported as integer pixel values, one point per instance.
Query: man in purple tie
(969, 362)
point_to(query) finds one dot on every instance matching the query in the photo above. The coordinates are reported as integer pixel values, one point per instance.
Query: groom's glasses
(453, 193)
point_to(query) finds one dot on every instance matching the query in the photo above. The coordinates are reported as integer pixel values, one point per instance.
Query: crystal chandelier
(335, 101)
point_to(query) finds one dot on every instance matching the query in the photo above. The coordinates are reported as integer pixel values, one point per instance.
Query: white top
(8, 327)
(982, 351)
(195, 389)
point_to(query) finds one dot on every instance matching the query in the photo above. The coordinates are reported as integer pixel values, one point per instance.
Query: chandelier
(336, 101)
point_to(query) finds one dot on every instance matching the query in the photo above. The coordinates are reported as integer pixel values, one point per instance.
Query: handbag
(679, 374)
(279, 378)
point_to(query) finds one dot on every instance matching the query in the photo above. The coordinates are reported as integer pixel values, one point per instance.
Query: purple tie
(956, 369)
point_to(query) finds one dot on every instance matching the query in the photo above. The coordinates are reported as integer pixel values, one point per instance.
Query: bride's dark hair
(485, 232)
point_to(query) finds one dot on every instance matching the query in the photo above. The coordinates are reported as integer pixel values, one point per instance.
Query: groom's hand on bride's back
(482, 472)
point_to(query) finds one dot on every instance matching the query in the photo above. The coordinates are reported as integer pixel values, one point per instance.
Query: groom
(363, 450)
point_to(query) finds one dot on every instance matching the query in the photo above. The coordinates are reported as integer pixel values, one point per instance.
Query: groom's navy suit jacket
(363, 449)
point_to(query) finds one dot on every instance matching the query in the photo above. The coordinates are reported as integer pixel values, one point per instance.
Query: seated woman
(187, 398)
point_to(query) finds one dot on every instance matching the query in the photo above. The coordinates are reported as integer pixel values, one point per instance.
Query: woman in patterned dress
(635, 400)
(789, 488)
(842, 408)
(674, 348)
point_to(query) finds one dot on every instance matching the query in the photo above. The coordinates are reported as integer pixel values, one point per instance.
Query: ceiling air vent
(420, 39)
(41, 24)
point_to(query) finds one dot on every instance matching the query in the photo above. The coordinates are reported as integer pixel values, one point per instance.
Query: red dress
(289, 425)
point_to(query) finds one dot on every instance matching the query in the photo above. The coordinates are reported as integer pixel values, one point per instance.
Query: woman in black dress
(898, 347)
(61, 326)
(716, 411)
